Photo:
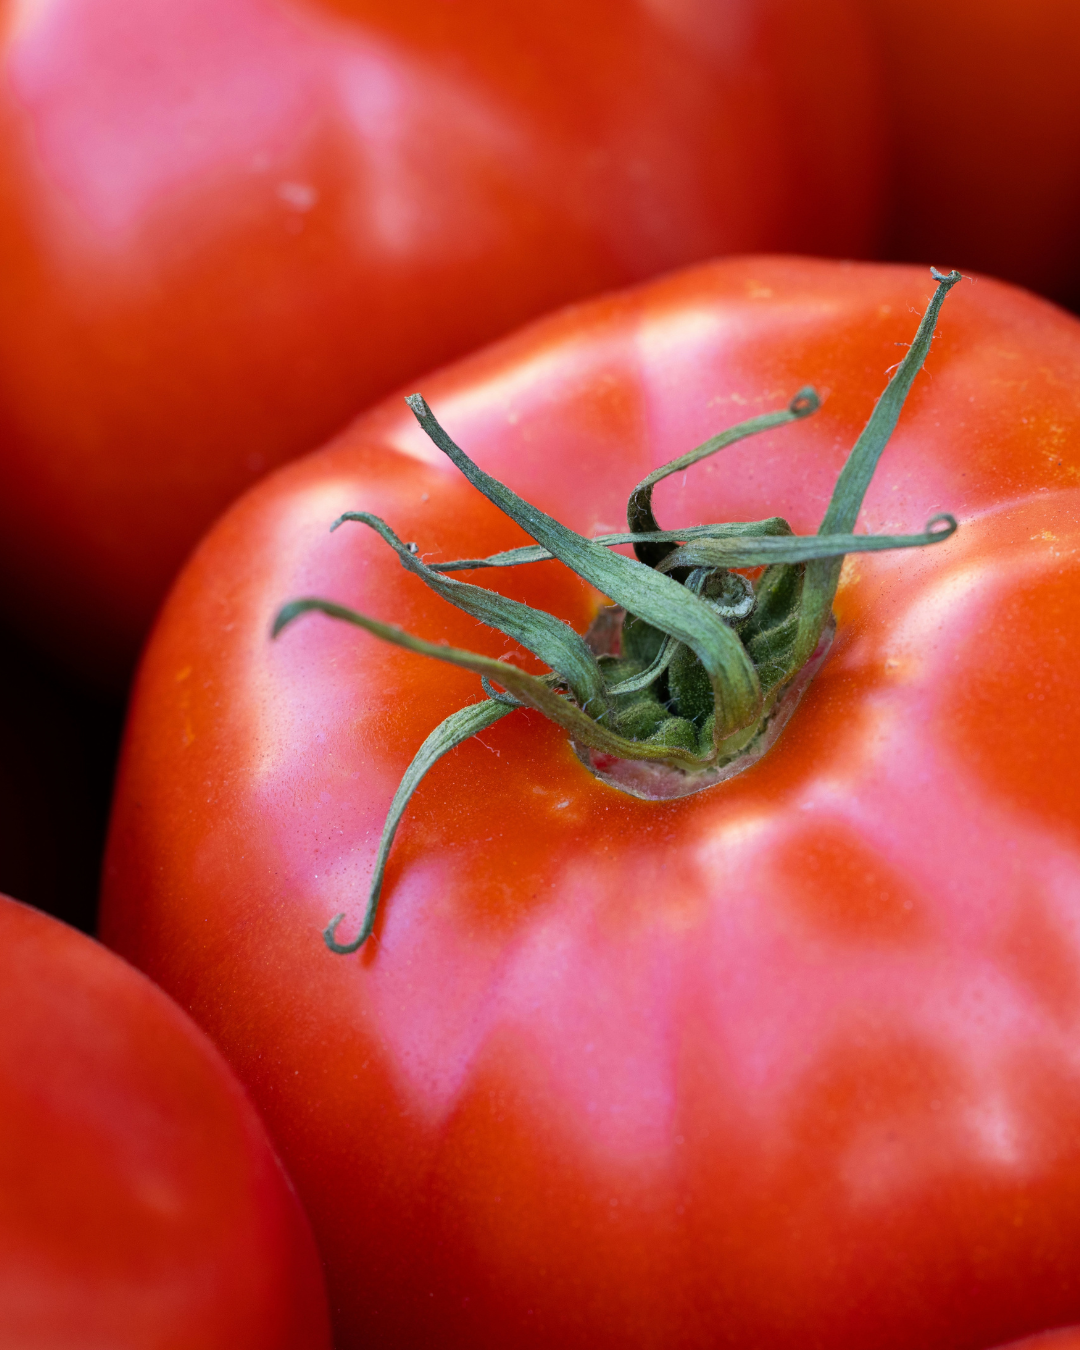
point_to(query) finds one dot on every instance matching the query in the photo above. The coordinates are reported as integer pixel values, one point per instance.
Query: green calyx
(706, 665)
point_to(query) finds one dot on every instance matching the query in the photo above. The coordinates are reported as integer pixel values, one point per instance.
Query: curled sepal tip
(287, 613)
(798, 548)
(342, 948)
(639, 509)
(458, 727)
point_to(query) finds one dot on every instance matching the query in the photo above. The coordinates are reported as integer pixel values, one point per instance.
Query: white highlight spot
(298, 196)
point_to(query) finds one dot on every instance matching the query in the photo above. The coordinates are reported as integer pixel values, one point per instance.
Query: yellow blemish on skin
(1045, 534)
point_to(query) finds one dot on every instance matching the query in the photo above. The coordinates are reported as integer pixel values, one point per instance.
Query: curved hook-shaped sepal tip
(944, 519)
(292, 611)
(344, 948)
(805, 402)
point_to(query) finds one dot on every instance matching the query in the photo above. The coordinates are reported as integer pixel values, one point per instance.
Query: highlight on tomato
(784, 1060)
(226, 226)
(141, 1203)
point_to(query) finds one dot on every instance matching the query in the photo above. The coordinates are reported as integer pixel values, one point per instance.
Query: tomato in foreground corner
(787, 1061)
(227, 226)
(141, 1204)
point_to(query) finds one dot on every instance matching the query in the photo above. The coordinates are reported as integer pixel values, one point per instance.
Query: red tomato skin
(228, 225)
(788, 1062)
(983, 108)
(1066, 1338)
(141, 1204)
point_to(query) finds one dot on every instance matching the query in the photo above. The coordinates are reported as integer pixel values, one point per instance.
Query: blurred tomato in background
(227, 225)
(983, 170)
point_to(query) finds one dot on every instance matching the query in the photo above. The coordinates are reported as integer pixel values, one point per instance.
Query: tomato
(1068, 1338)
(141, 1204)
(228, 225)
(789, 1061)
(984, 113)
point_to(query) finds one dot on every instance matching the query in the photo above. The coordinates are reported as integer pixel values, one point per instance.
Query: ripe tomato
(227, 225)
(141, 1204)
(787, 1062)
(1068, 1338)
(984, 112)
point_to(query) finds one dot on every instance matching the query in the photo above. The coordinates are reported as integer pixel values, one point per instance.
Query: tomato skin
(228, 225)
(141, 1204)
(1068, 1338)
(788, 1062)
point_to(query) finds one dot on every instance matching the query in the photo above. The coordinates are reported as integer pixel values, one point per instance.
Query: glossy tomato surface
(789, 1062)
(983, 110)
(141, 1204)
(226, 226)
(1067, 1338)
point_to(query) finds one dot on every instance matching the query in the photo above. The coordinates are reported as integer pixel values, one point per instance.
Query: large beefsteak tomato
(790, 1061)
(228, 225)
(141, 1204)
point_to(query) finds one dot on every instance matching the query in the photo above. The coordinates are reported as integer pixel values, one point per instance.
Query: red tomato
(58, 746)
(141, 1205)
(1068, 1338)
(227, 225)
(984, 110)
(788, 1062)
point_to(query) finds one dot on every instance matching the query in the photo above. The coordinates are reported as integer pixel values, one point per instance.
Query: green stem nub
(699, 667)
